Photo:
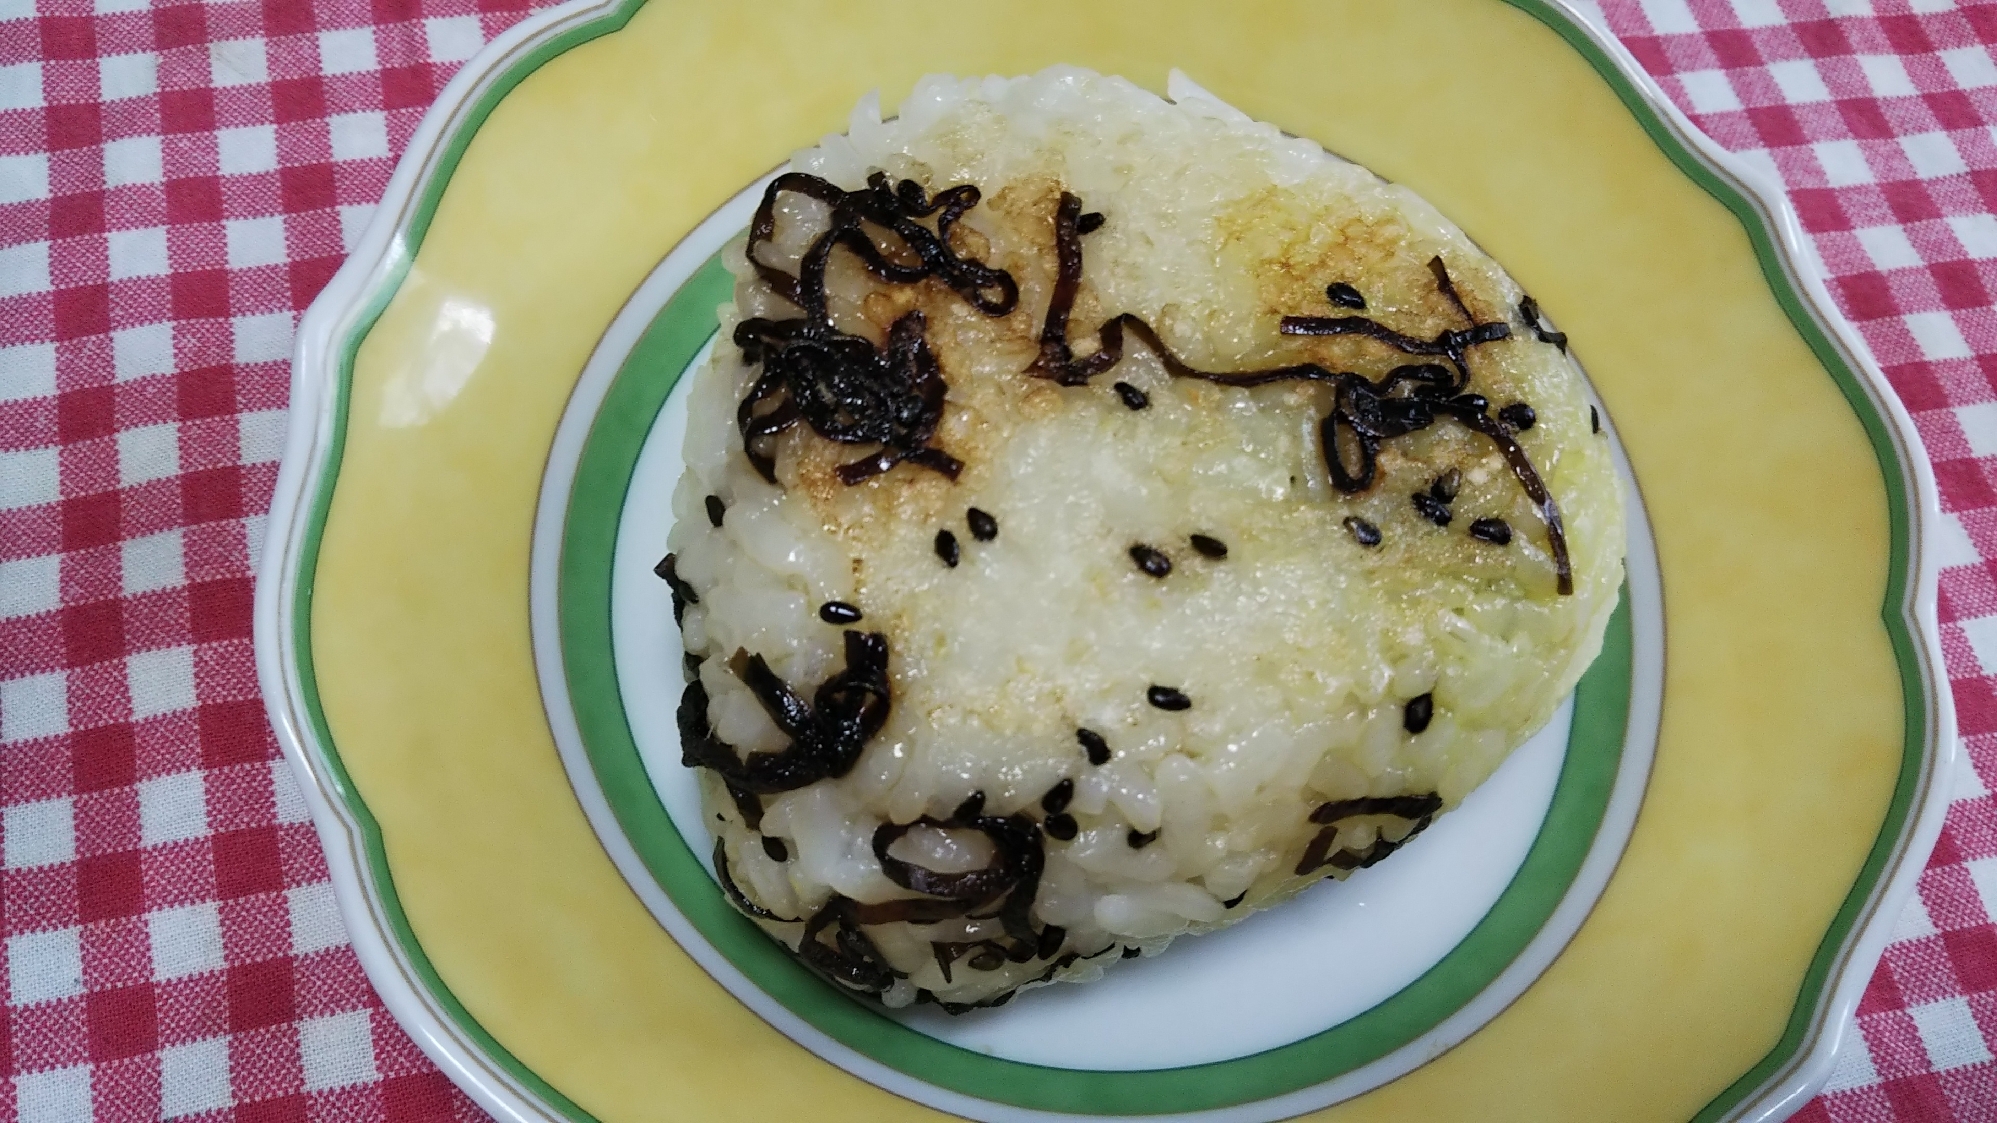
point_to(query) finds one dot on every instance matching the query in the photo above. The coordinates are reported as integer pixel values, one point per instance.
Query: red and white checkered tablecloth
(178, 181)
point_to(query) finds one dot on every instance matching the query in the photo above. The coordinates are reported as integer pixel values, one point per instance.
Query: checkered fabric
(176, 184)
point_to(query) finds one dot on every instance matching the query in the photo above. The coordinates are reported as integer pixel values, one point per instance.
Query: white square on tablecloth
(1971, 67)
(42, 833)
(238, 62)
(1888, 247)
(284, 792)
(1976, 232)
(1982, 636)
(1759, 13)
(186, 941)
(337, 1050)
(1913, 922)
(1843, 163)
(174, 807)
(123, 76)
(1887, 76)
(1799, 81)
(24, 269)
(315, 918)
(1938, 336)
(24, 179)
(1968, 784)
(137, 253)
(1983, 875)
(148, 453)
(453, 38)
(358, 136)
(160, 681)
(30, 586)
(1709, 91)
(29, 477)
(1854, 1065)
(1953, 546)
(21, 86)
(1948, 1031)
(255, 241)
(141, 351)
(1670, 17)
(264, 338)
(1933, 155)
(132, 159)
(253, 528)
(194, 1078)
(27, 371)
(156, 561)
(59, 1095)
(249, 150)
(260, 435)
(111, 7)
(349, 50)
(34, 706)
(44, 966)
(353, 221)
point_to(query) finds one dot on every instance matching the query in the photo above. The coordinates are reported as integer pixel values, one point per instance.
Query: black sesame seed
(715, 509)
(1133, 398)
(984, 528)
(1363, 532)
(1594, 420)
(1209, 547)
(1132, 952)
(1057, 797)
(1418, 712)
(1166, 698)
(1444, 486)
(1151, 561)
(1519, 416)
(1234, 900)
(1497, 532)
(1061, 827)
(971, 808)
(1344, 295)
(946, 548)
(1094, 745)
(776, 849)
(1090, 223)
(987, 959)
(838, 612)
(1138, 840)
(1432, 509)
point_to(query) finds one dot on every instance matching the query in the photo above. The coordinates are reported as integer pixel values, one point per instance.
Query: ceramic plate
(1664, 906)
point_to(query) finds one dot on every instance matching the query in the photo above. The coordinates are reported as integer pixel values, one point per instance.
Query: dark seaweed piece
(1013, 874)
(683, 594)
(1345, 296)
(1133, 398)
(1363, 532)
(1497, 532)
(1234, 900)
(1519, 416)
(776, 849)
(1594, 420)
(749, 805)
(1090, 223)
(851, 959)
(1051, 939)
(838, 612)
(844, 387)
(1432, 509)
(691, 663)
(1444, 486)
(909, 910)
(1132, 952)
(1419, 711)
(1405, 806)
(1062, 827)
(1167, 698)
(1364, 412)
(1529, 311)
(734, 892)
(972, 807)
(826, 736)
(1209, 547)
(1094, 745)
(946, 954)
(1152, 561)
(716, 509)
(984, 528)
(1138, 840)
(946, 548)
(1057, 798)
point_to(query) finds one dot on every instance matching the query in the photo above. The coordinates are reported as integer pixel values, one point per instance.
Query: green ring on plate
(589, 538)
